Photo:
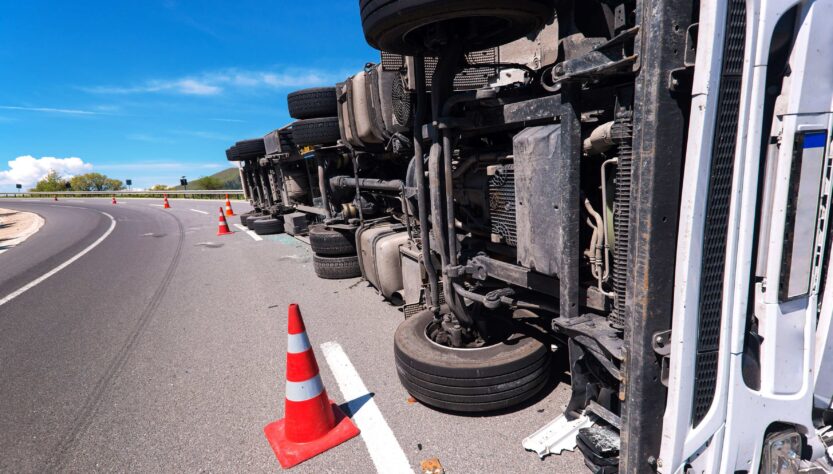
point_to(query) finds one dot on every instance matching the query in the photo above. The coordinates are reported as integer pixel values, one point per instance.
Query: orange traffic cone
(229, 212)
(313, 423)
(166, 205)
(223, 230)
(114, 200)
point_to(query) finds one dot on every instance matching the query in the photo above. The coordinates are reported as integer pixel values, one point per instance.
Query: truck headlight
(782, 453)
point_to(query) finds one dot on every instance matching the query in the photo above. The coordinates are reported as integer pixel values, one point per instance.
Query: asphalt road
(162, 349)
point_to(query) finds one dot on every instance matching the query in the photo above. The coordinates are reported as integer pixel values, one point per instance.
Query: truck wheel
(317, 131)
(231, 154)
(250, 149)
(336, 268)
(245, 216)
(490, 378)
(250, 221)
(399, 26)
(268, 225)
(313, 103)
(326, 241)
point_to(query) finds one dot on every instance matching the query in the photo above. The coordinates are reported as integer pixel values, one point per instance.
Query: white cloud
(51, 110)
(158, 165)
(28, 170)
(204, 135)
(146, 137)
(216, 82)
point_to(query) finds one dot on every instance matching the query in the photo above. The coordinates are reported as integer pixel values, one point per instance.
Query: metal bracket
(557, 436)
(661, 342)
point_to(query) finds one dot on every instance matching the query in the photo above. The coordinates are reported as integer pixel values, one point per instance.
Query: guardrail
(205, 194)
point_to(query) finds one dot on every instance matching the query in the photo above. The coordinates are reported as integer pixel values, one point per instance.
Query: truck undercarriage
(611, 184)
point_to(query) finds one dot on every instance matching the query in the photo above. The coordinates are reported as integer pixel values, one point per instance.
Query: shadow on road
(351, 407)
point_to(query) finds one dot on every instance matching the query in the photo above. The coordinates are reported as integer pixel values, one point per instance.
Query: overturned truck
(636, 189)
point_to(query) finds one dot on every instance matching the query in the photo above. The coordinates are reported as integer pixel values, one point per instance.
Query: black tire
(250, 221)
(492, 378)
(399, 26)
(317, 131)
(268, 225)
(312, 103)
(245, 216)
(326, 241)
(231, 154)
(336, 268)
(250, 149)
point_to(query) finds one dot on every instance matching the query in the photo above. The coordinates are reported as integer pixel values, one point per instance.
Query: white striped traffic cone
(229, 211)
(313, 423)
(222, 228)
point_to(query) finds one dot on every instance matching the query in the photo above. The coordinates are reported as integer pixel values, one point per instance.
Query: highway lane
(163, 350)
(66, 340)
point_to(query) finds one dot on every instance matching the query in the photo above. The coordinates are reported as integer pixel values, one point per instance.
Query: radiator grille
(717, 210)
(411, 309)
(468, 78)
(502, 205)
(623, 137)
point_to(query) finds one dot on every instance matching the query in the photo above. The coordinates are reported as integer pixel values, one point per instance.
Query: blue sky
(155, 89)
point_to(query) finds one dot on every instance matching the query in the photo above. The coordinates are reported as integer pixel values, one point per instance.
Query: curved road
(162, 349)
(65, 342)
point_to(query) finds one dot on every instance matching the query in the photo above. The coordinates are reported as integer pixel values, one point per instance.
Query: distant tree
(160, 187)
(209, 182)
(95, 182)
(51, 183)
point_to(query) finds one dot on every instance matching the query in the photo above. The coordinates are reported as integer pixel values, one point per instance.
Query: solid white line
(201, 212)
(34, 226)
(385, 451)
(60, 267)
(156, 205)
(251, 233)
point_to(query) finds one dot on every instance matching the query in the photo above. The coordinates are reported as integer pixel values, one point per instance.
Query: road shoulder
(16, 227)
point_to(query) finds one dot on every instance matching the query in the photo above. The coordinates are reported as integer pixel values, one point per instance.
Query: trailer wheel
(247, 215)
(326, 241)
(250, 149)
(494, 377)
(317, 131)
(268, 225)
(402, 26)
(231, 154)
(336, 268)
(250, 221)
(312, 103)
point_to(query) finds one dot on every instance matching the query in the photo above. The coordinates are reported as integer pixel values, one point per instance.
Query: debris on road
(431, 466)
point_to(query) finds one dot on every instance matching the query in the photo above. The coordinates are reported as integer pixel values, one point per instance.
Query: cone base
(291, 454)
(225, 232)
(229, 214)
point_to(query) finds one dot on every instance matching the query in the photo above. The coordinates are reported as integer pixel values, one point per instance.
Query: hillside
(229, 177)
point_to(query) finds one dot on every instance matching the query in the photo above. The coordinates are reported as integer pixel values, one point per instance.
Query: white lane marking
(385, 451)
(156, 205)
(201, 212)
(251, 233)
(60, 267)
(34, 226)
